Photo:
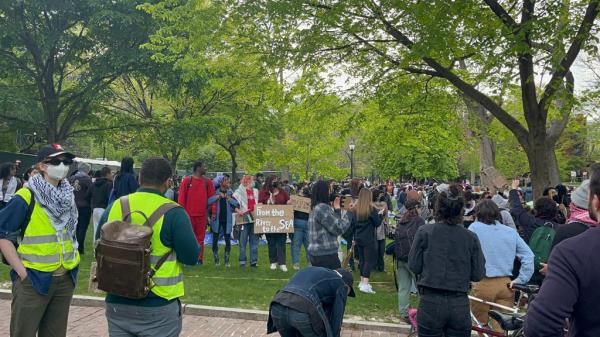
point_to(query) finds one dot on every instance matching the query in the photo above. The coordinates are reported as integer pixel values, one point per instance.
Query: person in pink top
(193, 197)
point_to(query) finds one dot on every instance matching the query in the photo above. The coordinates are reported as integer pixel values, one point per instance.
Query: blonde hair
(363, 207)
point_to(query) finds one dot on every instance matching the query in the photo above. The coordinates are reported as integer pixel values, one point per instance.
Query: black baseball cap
(51, 151)
(348, 279)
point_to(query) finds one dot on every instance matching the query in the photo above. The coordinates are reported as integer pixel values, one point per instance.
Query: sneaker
(283, 268)
(296, 266)
(253, 265)
(366, 288)
(273, 266)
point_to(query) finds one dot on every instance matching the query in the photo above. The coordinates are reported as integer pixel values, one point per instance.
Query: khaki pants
(46, 315)
(491, 289)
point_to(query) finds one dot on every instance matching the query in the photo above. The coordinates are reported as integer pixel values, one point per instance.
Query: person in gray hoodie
(502, 204)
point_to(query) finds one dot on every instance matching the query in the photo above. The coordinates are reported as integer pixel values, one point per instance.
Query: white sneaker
(273, 266)
(365, 288)
(283, 268)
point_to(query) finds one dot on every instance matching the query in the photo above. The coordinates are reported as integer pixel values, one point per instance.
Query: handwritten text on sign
(273, 219)
(301, 204)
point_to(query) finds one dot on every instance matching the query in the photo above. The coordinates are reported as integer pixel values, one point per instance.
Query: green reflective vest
(42, 247)
(168, 280)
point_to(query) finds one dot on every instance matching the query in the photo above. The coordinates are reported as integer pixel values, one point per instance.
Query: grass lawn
(253, 288)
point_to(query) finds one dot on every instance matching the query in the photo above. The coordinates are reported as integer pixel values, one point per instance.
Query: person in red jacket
(193, 197)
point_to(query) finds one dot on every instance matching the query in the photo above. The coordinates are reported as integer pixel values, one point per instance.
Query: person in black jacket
(406, 229)
(82, 184)
(544, 210)
(100, 194)
(312, 304)
(446, 257)
(364, 220)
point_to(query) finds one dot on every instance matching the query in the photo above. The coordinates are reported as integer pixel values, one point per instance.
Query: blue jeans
(247, 234)
(291, 323)
(300, 239)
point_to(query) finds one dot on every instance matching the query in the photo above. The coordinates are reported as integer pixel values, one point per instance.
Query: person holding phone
(325, 224)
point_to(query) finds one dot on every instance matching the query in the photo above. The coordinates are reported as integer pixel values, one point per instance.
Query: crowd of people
(449, 240)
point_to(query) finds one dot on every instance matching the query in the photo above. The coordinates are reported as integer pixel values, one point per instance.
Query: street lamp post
(352, 146)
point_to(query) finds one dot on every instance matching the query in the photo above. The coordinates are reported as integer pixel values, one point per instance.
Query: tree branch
(504, 117)
(503, 15)
(565, 64)
(557, 126)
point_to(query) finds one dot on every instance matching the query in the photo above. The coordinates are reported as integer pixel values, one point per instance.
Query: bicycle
(511, 323)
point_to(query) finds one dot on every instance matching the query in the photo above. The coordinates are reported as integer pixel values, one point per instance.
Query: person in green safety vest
(37, 239)
(159, 313)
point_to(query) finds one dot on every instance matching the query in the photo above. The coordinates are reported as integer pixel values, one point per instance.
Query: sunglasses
(57, 161)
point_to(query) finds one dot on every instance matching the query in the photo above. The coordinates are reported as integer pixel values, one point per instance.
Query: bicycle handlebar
(526, 288)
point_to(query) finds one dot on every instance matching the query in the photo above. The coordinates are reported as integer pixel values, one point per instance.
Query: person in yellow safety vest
(37, 239)
(159, 314)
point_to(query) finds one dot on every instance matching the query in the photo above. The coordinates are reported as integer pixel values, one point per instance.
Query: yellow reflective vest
(42, 248)
(168, 280)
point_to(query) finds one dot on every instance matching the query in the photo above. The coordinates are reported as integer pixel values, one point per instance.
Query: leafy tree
(243, 96)
(506, 38)
(62, 54)
(317, 125)
(414, 133)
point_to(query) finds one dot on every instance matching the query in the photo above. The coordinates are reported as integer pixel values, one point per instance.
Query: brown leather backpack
(123, 254)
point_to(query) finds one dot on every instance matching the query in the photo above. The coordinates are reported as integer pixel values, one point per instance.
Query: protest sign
(273, 219)
(301, 204)
(240, 220)
(496, 178)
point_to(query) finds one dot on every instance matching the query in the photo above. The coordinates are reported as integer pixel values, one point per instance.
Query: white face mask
(57, 172)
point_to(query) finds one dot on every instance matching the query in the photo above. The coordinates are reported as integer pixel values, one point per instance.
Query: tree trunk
(543, 166)
(487, 147)
(487, 158)
(233, 153)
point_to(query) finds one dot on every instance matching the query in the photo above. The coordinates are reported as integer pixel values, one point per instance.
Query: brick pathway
(90, 322)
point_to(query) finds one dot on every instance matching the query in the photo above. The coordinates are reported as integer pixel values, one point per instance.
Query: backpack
(123, 254)
(541, 243)
(404, 237)
(16, 237)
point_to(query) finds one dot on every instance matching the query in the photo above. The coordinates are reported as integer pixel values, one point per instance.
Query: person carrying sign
(300, 236)
(272, 194)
